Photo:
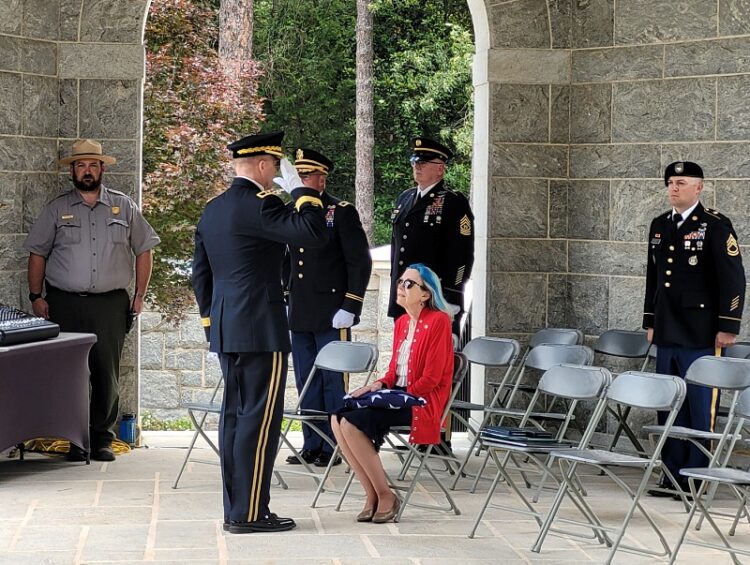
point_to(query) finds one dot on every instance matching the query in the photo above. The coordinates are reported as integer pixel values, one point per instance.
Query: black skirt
(375, 422)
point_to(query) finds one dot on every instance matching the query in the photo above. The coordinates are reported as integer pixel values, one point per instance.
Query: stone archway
(578, 107)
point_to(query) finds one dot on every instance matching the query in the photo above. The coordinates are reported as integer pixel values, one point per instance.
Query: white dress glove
(282, 183)
(343, 319)
(453, 308)
(290, 176)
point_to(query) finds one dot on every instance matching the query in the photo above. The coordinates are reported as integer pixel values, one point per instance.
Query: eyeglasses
(408, 283)
(415, 162)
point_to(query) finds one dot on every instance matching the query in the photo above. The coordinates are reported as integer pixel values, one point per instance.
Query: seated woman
(422, 364)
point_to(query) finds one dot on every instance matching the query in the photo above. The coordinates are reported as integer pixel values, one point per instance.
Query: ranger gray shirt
(90, 249)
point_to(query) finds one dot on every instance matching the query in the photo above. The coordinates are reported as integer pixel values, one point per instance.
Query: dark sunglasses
(408, 283)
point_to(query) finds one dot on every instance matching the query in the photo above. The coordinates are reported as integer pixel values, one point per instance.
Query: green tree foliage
(191, 111)
(422, 85)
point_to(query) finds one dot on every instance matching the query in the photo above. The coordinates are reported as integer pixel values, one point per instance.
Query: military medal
(687, 245)
(329, 216)
(693, 261)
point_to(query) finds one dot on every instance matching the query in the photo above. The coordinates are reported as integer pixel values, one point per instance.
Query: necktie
(676, 218)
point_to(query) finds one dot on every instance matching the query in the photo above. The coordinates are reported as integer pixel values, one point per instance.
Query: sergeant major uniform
(240, 243)
(326, 287)
(695, 288)
(434, 226)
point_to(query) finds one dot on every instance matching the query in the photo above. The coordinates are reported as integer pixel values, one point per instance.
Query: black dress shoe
(271, 523)
(103, 453)
(76, 454)
(658, 493)
(324, 458)
(307, 454)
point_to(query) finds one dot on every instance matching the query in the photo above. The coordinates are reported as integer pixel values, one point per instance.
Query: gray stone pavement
(126, 512)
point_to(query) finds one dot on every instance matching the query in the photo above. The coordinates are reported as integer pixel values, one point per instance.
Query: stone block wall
(68, 69)
(589, 103)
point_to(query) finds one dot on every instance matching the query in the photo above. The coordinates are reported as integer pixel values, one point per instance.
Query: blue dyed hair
(432, 282)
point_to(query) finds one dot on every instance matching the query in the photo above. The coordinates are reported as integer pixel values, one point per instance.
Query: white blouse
(402, 362)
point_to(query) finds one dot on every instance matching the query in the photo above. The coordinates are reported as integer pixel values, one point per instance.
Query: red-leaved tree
(192, 110)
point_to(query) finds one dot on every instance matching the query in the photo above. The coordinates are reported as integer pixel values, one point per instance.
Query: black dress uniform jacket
(323, 280)
(245, 231)
(437, 230)
(695, 283)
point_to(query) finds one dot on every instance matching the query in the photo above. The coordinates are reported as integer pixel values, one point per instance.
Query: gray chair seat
(463, 405)
(213, 407)
(518, 414)
(681, 432)
(601, 457)
(721, 474)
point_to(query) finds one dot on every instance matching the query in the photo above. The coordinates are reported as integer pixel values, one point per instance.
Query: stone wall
(176, 367)
(590, 102)
(68, 69)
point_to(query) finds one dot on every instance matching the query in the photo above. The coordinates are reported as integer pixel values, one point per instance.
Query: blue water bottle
(127, 429)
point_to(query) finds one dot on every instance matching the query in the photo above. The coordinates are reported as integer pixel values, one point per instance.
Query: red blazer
(430, 370)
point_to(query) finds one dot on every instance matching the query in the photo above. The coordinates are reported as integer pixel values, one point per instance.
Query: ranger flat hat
(309, 161)
(682, 169)
(425, 149)
(261, 144)
(87, 149)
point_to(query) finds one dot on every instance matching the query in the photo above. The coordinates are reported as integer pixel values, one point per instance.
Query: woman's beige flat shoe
(388, 515)
(366, 514)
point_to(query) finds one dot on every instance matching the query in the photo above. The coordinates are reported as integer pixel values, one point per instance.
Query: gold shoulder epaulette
(264, 193)
(713, 212)
(344, 203)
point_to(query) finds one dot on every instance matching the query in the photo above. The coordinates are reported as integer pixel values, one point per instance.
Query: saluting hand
(290, 176)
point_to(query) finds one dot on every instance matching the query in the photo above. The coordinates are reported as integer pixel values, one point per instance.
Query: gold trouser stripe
(260, 449)
(206, 322)
(714, 396)
(714, 403)
(343, 336)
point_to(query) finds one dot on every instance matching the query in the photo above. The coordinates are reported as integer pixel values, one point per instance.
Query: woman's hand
(377, 385)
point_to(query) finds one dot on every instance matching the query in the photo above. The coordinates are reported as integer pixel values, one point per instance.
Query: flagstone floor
(126, 512)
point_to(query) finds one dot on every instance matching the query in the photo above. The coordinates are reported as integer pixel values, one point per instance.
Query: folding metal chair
(629, 345)
(647, 391)
(541, 358)
(340, 356)
(489, 352)
(198, 412)
(738, 481)
(723, 373)
(545, 336)
(401, 434)
(574, 383)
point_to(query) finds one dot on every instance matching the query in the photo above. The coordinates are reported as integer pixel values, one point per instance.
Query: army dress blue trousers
(249, 429)
(698, 410)
(327, 389)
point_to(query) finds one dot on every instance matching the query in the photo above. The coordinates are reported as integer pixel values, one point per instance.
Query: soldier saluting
(695, 293)
(240, 244)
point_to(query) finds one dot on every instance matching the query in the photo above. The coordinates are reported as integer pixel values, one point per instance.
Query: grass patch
(151, 423)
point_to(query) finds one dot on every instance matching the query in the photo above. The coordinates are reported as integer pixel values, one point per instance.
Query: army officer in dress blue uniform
(695, 293)
(240, 243)
(432, 225)
(326, 289)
